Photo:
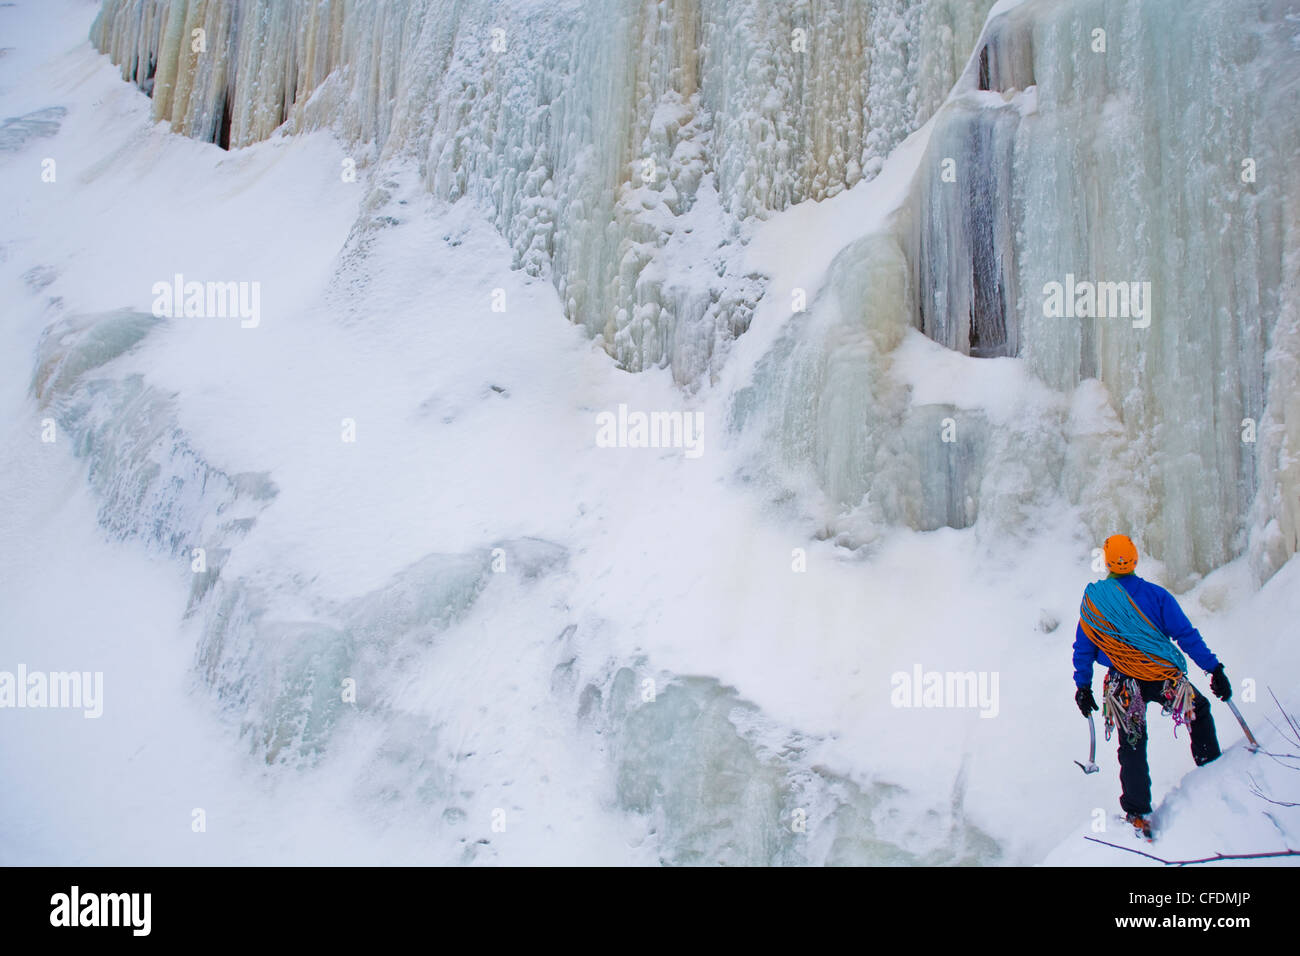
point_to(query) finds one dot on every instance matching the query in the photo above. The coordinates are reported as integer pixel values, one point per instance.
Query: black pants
(1134, 777)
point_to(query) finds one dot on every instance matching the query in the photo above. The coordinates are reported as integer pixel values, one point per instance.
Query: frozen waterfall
(653, 167)
(1071, 152)
(588, 130)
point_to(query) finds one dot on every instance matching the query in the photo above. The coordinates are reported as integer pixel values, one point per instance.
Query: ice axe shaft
(1251, 743)
(1091, 766)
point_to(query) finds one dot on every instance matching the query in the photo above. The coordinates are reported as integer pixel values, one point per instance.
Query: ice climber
(1130, 626)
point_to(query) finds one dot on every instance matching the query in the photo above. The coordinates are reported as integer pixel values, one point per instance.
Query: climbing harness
(1123, 704)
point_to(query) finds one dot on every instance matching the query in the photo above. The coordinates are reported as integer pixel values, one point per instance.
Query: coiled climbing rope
(1134, 645)
(1138, 651)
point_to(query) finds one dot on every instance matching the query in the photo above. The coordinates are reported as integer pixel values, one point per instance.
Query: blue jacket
(1161, 610)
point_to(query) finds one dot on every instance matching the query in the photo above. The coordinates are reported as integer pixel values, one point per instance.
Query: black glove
(1219, 683)
(1083, 697)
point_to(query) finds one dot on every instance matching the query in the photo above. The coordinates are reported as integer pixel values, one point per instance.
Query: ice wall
(618, 146)
(1143, 148)
(153, 484)
(725, 787)
(875, 427)
(1157, 149)
(625, 152)
(623, 149)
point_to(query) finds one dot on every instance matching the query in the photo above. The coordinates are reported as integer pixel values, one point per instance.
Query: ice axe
(1251, 743)
(1091, 765)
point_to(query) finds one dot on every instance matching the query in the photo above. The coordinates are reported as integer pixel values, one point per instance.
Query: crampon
(1141, 826)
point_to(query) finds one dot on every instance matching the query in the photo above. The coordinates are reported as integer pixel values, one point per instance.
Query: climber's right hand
(1083, 697)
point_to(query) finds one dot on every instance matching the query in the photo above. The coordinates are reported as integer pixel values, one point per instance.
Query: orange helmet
(1121, 554)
